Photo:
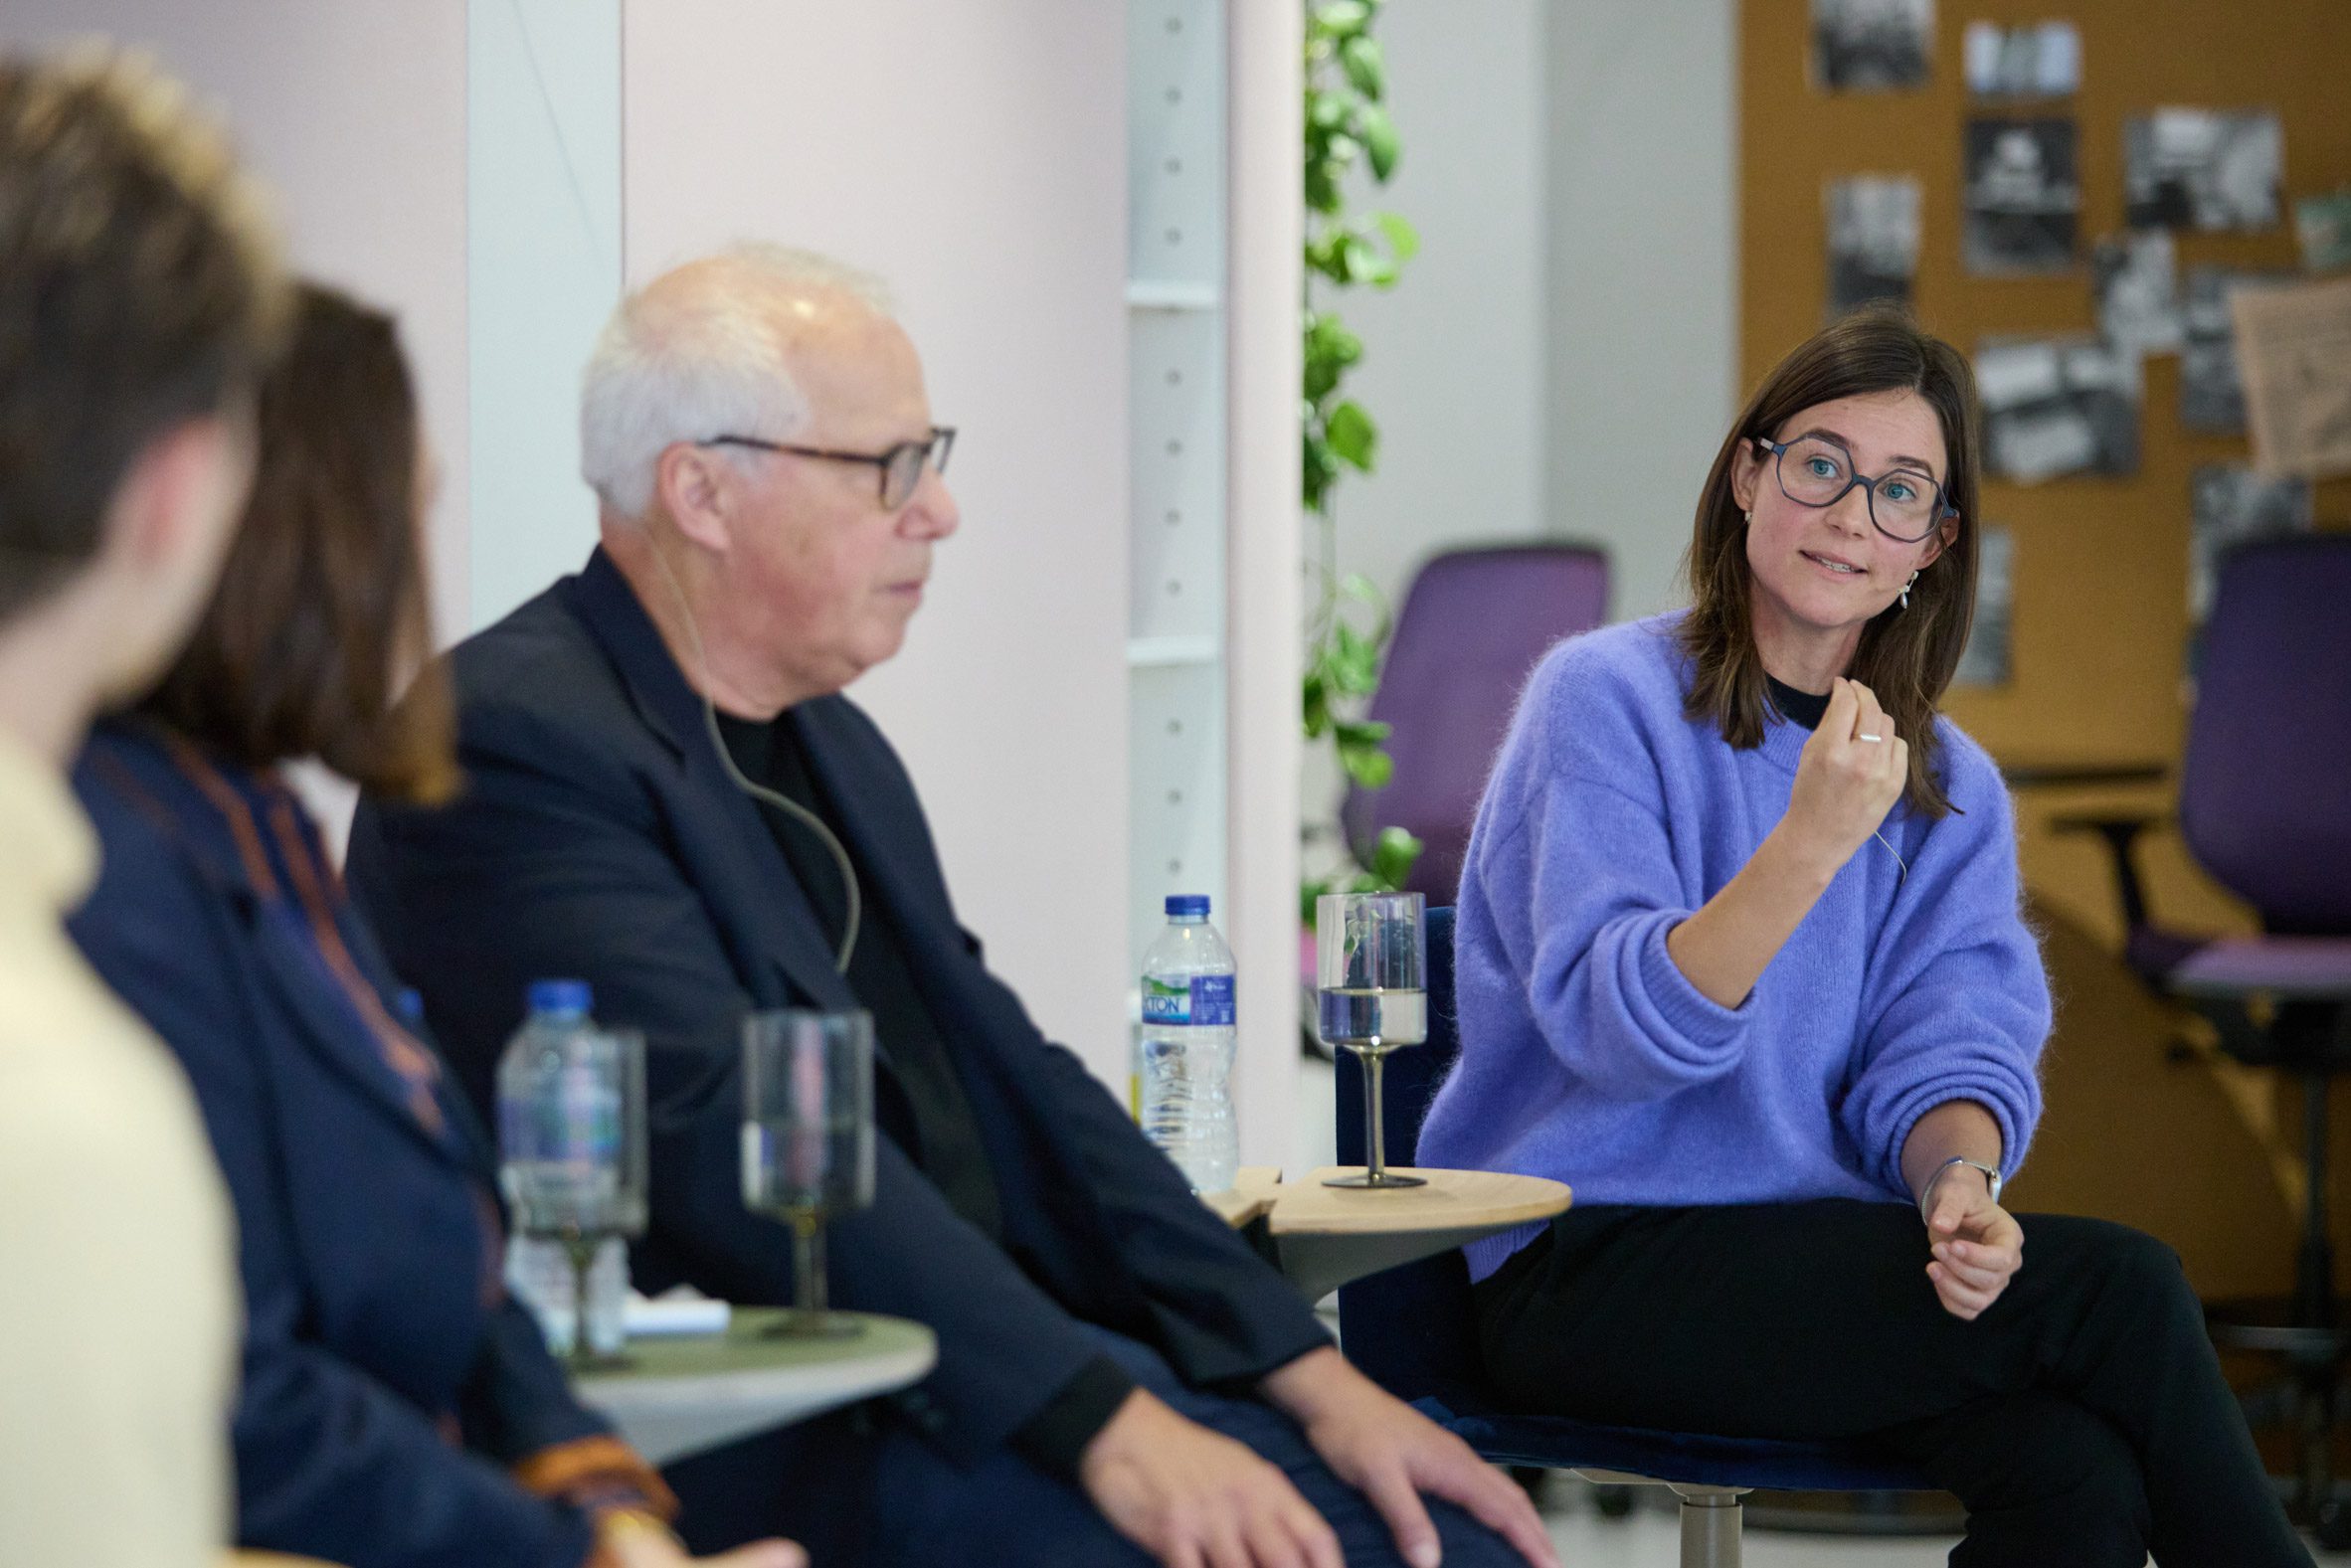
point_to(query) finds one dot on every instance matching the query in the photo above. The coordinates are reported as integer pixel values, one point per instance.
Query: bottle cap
(559, 996)
(1188, 904)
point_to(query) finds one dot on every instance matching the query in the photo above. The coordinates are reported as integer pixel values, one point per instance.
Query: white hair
(676, 365)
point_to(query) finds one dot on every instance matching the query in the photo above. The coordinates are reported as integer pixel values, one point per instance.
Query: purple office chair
(1473, 625)
(1412, 1329)
(2265, 809)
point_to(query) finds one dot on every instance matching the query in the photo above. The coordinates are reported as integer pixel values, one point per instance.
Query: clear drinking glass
(573, 1154)
(808, 1140)
(1371, 995)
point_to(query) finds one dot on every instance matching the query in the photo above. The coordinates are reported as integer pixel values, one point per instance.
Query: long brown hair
(323, 602)
(1906, 657)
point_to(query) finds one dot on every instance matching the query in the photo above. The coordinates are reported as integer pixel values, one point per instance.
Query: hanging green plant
(1346, 128)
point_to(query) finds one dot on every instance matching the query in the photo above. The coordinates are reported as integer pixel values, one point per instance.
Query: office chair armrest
(2120, 831)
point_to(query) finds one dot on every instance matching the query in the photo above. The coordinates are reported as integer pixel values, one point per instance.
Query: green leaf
(1326, 111)
(1322, 188)
(1367, 764)
(1363, 264)
(1356, 260)
(1378, 135)
(1353, 436)
(1360, 57)
(1321, 376)
(1315, 703)
(1327, 257)
(1367, 733)
(1394, 856)
(1328, 348)
(1342, 19)
(1403, 241)
(1327, 336)
(1353, 662)
(1309, 891)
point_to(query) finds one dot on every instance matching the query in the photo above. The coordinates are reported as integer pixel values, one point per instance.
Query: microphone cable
(791, 808)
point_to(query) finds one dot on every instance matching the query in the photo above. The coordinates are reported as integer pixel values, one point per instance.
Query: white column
(543, 271)
(1263, 602)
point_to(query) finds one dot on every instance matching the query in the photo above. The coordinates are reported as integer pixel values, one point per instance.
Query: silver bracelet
(1991, 1178)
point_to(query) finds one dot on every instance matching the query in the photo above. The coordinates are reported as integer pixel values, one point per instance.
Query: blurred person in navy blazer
(1120, 1378)
(399, 1407)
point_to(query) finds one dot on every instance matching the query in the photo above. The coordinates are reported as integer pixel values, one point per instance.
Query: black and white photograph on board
(2023, 197)
(2207, 169)
(1873, 240)
(1870, 45)
(2229, 503)
(2040, 59)
(2135, 278)
(1986, 660)
(2054, 407)
(2211, 389)
(2323, 226)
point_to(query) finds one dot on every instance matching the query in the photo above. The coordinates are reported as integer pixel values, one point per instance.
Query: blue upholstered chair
(1413, 1331)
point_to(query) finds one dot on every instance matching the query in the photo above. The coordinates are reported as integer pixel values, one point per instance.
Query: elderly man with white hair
(670, 797)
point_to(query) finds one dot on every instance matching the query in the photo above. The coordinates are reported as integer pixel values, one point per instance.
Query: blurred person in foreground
(399, 1406)
(139, 299)
(1120, 1378)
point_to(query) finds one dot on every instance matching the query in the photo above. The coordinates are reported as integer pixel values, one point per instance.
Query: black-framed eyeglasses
(901, 467)
(1904, 505)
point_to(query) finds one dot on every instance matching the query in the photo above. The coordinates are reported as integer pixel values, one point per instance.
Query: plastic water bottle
(560, 1132)
(1188, 1047)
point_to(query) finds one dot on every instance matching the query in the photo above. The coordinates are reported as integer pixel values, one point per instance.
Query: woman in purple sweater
(1740, 957)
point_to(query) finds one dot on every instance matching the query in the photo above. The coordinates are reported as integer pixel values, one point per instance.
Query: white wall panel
(975, 156)
(543, 208)
(356, 115)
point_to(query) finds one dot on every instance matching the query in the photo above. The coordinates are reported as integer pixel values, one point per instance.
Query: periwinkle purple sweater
(1587, 1056)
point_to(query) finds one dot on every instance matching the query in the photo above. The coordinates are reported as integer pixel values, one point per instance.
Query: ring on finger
(1873, 740)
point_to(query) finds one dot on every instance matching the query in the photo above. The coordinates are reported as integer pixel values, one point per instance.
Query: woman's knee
(2138, 1266)
(2039, 1451)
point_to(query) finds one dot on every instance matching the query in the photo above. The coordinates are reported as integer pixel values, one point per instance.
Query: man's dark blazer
(599, 837)
(375, 1329)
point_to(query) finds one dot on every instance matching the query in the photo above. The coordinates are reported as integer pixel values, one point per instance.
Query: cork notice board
(2100, 620)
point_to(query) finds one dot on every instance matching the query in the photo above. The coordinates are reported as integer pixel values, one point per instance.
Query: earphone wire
(1898, 858)
(790, 808)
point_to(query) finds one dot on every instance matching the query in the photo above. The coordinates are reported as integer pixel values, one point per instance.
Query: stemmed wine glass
(1371, 987)
(573, 1147)
(807, 1140)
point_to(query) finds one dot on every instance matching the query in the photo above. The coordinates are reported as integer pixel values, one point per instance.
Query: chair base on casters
(1711, 1517)
(1710, 1528)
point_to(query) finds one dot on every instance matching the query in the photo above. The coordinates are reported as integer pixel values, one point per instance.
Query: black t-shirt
(880, 975)
(882, 979)
(1798, 707)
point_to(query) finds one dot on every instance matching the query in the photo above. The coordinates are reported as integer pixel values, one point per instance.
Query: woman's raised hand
(1851, 772)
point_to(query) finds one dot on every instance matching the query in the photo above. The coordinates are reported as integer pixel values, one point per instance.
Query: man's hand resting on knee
(1391, 1453)
(1196, 1499)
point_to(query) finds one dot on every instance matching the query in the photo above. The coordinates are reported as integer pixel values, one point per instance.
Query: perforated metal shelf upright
(1176, 653)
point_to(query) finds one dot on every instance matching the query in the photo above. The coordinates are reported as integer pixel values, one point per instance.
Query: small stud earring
(1907, 590)
(1750, 517)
